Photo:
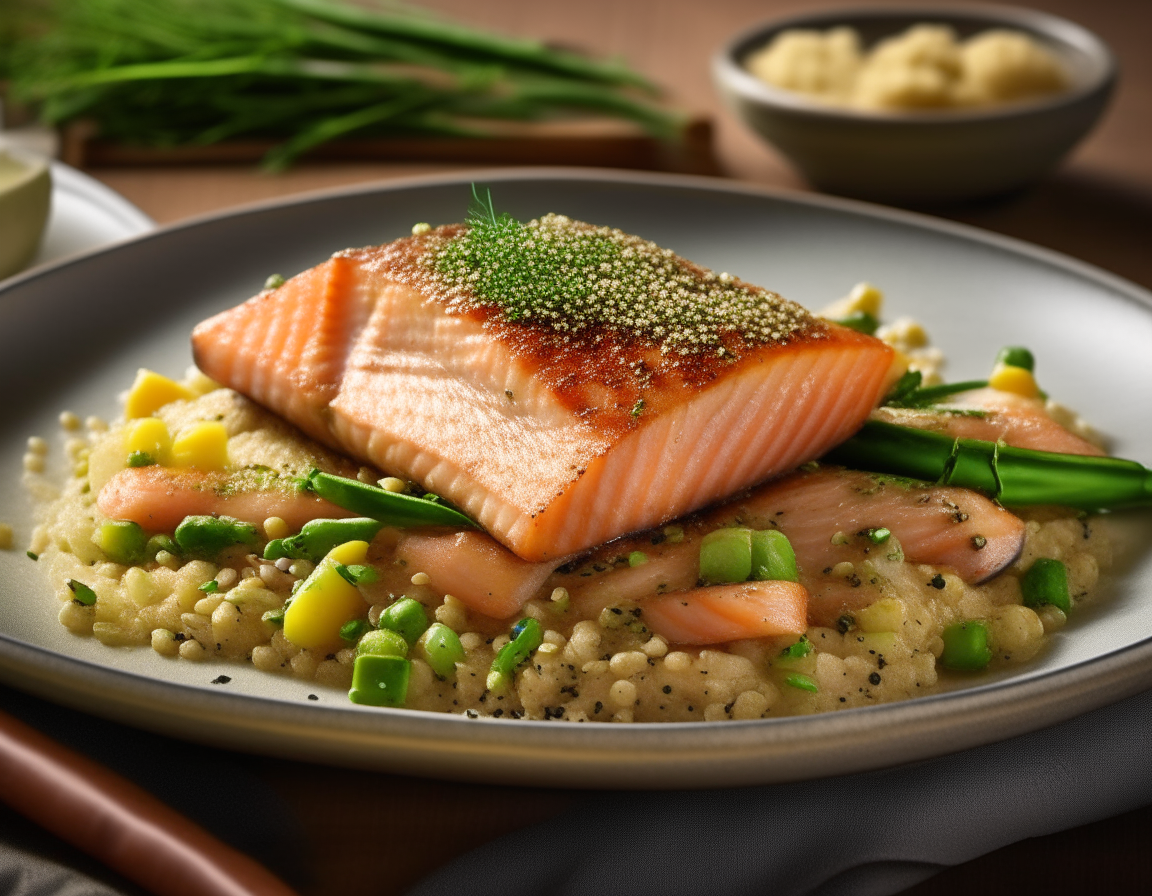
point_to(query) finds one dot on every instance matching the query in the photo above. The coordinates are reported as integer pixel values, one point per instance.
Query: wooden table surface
(1097, 207)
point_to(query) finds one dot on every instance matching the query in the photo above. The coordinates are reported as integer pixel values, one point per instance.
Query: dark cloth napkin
(865, 835)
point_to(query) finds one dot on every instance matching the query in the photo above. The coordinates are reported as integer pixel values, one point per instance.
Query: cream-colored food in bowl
(25, 199)
(924, 67)
(922, 131)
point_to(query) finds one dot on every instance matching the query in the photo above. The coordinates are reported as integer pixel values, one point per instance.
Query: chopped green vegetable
(772, 557)
(380, 680)
(207, 536)
(81, 593)
(802, 682)
(1013, 476)
(276, 617)
(527, 635)
(388, 508)
(407, 618)
(800, 649)
(637, 558)
(966, 647)
(209, 587)
(318, 537)
(879, 536)
(861, 321)
(442, 649)
(158, 543)
(171, 72)
(123, 541)
(1017, 356)
(357, 574)
(908, 393)
(381, 642)
(351, 630)
(140, 459)
(1046, 583)
(726, 556)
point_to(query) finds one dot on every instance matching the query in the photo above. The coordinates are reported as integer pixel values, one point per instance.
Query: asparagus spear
(1013, 476)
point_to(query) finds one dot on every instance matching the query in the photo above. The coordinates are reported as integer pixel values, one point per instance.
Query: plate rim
(412, 741)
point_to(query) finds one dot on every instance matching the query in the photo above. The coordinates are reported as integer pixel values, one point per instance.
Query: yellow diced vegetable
(203, 445)
(150, 392)
(1014, 379)
(864, 298)
(326, 600)
(149, 435)
(867, 298)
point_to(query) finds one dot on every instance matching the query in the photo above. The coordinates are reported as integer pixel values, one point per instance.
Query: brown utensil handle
(118, 823)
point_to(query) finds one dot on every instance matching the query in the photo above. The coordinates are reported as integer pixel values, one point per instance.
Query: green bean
(389, 508)
(1013, 476)
(318, 537)
(207, 536)
(527, 635)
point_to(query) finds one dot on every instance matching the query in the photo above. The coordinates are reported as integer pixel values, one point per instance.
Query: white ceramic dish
(926, 157)
(80, 329)
(86, 214)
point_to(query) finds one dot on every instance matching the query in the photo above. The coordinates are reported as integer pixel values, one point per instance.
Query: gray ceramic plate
(73, 336)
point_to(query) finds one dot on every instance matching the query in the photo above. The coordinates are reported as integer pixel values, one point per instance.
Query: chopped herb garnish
(801, 648)
(570, 277)
(140, 459)
(81, 593)
(802, 682)
(209, 587)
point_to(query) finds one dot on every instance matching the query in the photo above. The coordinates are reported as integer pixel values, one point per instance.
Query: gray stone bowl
(923, 158)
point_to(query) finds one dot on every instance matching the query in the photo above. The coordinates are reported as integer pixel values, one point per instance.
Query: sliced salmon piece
(554, 442)
(949, 527)
(1003, 417)
(158, 498)
(943, 526)
(474, 568)
(722, 613)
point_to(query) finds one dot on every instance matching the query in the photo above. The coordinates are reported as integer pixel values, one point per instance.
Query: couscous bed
(595, 661)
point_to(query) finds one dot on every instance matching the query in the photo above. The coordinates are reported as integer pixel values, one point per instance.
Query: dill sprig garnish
(180, 72)
(571, 276)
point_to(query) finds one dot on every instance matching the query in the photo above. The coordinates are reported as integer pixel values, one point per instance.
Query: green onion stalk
(303, 72)
(1012, 476)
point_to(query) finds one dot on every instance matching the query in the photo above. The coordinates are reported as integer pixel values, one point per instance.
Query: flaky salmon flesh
(554, 438)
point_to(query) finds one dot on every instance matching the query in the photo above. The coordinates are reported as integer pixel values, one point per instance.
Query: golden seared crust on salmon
(556, 433)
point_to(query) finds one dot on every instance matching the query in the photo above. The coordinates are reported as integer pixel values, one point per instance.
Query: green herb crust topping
(571, 276)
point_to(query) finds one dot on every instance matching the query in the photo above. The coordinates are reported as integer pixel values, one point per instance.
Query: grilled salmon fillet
(555, 430)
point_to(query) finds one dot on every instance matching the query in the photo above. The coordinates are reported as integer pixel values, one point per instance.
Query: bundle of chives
(179, 72)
